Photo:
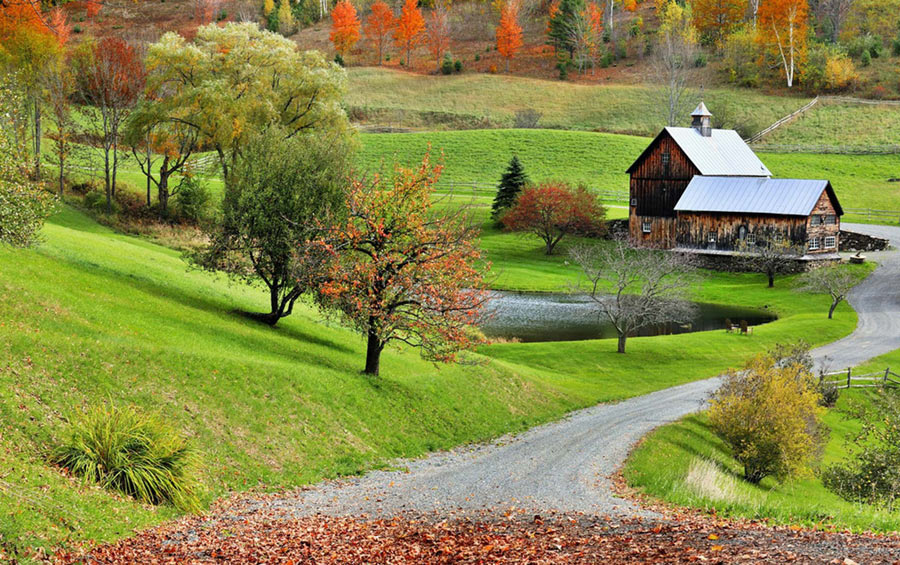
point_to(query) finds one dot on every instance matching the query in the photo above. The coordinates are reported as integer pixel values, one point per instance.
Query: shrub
(700, 60)
(872, 475)
(339, 59)
(768, 414)
(895, 47)
(96, 200)
(828, 394)
(457, 66)
(862, 44)
(866, 59)
(76, 29)
(878, 92)
(193, 199)
(133, 454)
(828, 68)
(477, 57)
(527, 118)
(492, 69)
(447, 64)
(740, 57)
(82, 188)
(129, 200)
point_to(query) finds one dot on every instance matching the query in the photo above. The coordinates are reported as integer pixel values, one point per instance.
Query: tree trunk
(373, 354)
(163, 187)
(834, 304)
(621, 345)
(149, 172)
(62, 170)
(37, 138)
(507, 64)
(771, 280)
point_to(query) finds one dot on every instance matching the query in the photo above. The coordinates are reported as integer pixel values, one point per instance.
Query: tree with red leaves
(92, 8)
(438, 32)
(401, 273)
(552, 210)
(111, 79)
(410, 28)
(344, 27)
(379, 25)
(509, 32)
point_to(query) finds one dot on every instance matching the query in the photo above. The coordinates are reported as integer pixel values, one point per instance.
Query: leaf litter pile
(266, 536)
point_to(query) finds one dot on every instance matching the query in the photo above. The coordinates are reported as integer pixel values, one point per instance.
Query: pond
(532, 317)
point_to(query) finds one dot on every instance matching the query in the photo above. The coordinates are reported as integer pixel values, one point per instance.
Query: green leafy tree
(769, 415)
(235, 80)
(511, 184)
(564, 25)
(23, 206)
(284, 191)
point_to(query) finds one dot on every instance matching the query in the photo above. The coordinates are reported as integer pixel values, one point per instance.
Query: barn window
(751, 239)
(645, 227)
(742, 233)
(815, 220)
(830, 219)
(712, 238)
(665, 157)
(813, 243)
(634, 201)
(830, 242)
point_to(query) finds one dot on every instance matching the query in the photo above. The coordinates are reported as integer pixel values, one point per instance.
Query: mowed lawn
(93, 316)
(686, 464)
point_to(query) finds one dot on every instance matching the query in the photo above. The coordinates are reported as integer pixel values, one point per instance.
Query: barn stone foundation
(853, 241)
(736, 262)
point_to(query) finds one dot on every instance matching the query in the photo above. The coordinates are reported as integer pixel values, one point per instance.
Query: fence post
(848, 377)
(886, 372)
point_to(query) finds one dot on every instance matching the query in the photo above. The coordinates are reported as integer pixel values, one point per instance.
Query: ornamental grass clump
(768, 414)
(132, 453)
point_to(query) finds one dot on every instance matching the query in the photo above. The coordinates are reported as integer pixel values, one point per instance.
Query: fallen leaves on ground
(261, 536)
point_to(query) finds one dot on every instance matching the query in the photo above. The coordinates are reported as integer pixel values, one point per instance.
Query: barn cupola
(701, 120)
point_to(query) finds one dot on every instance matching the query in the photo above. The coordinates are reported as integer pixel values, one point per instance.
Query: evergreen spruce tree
(562, 27)
(510, 186)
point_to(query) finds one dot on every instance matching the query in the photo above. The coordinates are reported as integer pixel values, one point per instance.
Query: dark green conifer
(510, 186)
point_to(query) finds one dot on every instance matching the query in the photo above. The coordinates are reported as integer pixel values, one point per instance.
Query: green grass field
(93, 316)
(686, 464)
(600, 161)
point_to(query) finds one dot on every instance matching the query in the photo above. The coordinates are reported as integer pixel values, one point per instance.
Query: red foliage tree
(438, 32)
(401, 273)
(552, 210)
(509, 32)
(59, 23)
(716, 18)
(92, 8)
(111, 78)
(410, 27)
(379, 26)
(344, 27)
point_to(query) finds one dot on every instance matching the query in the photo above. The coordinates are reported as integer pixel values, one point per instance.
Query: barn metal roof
(723, 153)
(701, 110)
(754, 195)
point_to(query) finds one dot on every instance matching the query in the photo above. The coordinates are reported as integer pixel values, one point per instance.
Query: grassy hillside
(386, 97)
(687, 464)
(841, 124)
(600, 160)
(92, 316)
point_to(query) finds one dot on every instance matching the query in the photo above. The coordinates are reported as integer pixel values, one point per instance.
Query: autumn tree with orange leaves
(782, 29)
(379, 26)
(401, 273)
(111, 79)
(344, 27)
(410, 28)
(438, 32)
(509, 32)
(552, 210)
(715, 19)
(28, 48)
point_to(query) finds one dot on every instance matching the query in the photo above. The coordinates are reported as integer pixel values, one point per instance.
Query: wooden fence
(790, 117)
(488, 189)
(846, 379)
(870, 214)
(830, 149)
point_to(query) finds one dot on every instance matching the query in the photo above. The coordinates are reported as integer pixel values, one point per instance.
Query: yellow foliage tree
(285, 18)
(769, 415)
(268, 6)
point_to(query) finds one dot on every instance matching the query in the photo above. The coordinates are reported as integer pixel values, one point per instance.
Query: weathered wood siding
(696, 229)
(662, 231)
(817, 226)
(657, 184)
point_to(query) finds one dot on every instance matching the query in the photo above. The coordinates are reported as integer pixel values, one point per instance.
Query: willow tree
(230, 82)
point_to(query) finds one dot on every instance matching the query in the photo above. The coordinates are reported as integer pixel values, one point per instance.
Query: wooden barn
(704, 190)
